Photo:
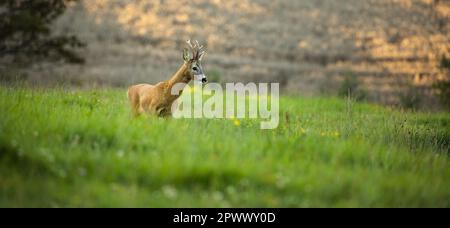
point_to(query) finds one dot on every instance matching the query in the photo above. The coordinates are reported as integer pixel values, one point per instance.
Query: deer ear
(186, 55)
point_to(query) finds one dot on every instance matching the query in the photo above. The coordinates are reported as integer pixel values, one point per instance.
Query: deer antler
(196, 48)
(200, 51)
(192, 48)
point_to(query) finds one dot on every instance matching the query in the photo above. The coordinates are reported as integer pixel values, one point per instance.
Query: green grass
(77, 148)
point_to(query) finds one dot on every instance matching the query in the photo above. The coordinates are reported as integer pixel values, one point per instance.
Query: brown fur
(157, 99)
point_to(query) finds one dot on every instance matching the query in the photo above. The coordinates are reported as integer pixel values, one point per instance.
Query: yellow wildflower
(302, 130)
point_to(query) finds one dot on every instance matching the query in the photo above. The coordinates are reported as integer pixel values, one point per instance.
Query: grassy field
(80, 148)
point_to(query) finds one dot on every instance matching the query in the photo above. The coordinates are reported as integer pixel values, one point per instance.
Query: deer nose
(204, 80)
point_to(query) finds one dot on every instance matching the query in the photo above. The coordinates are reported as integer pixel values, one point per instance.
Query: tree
(25, 31)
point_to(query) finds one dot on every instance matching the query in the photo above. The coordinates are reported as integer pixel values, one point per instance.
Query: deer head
(194, 63)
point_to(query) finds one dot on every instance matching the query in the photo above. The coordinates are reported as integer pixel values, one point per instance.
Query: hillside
(308, 46)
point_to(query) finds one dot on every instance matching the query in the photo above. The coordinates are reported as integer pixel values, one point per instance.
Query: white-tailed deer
(157, 99)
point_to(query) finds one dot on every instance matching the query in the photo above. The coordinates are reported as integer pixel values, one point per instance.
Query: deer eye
(195, 68)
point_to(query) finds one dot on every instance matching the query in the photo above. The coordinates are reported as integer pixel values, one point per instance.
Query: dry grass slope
(308, 46)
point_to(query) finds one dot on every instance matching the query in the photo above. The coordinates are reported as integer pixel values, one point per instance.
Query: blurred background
(393, 52)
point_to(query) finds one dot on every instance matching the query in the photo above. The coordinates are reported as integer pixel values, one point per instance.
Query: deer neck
(181, 76)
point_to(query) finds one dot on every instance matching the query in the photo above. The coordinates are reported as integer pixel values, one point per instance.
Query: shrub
(351, 87)
(442, 87)
(214, 76)
(12, 75)
(411, 97)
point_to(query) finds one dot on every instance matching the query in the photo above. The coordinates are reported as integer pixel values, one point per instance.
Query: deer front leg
(164, 111)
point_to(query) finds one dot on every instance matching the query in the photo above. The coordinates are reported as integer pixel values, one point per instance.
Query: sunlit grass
(62, 148)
